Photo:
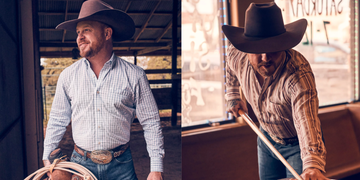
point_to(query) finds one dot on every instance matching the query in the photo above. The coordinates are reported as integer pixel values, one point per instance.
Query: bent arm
(305, 105)
(232, 95)
(232, 83)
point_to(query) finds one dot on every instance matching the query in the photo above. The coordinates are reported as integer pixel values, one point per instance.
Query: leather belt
(102, 156)
(283, 141)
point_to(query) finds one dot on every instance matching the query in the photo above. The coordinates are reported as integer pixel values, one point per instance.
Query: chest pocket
(118, 98)
(279, 107)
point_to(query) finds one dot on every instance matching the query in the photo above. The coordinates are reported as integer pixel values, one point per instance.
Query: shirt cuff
(314, 162)
(156, 164)
(46, 154)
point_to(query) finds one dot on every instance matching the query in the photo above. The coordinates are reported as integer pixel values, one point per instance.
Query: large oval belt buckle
(101, 156)
(278, 140)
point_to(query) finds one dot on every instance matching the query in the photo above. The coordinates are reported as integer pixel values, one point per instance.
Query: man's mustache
(82, 42)
(265, 64)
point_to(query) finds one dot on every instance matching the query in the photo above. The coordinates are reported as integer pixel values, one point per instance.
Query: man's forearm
(233, 102)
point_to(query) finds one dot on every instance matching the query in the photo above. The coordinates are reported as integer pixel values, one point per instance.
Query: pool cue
(267, 142)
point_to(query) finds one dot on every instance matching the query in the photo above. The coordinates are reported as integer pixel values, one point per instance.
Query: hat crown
(263, 20)
(90, 7)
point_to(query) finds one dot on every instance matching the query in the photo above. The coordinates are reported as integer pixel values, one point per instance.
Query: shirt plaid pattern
(287, 103)
(102, 109)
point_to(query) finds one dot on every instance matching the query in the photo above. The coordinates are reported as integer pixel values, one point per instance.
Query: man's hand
(47, 163)
(154, 175)
(233, 106)
(312, 174)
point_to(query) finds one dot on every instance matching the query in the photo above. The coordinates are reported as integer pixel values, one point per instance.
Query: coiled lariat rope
(70, 167)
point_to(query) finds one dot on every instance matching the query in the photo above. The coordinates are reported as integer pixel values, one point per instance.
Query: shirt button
(99, 127)
(98, 142)
(97, 92)
(98, 109)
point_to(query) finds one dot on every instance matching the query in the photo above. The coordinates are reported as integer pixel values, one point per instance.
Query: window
(202, 62)
(329, 44)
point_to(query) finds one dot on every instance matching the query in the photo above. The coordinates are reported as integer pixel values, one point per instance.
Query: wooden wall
(230, 151)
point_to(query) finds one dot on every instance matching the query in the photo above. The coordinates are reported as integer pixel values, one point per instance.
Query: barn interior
(33, 53)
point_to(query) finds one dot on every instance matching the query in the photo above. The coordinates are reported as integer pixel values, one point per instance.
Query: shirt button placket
(97, 115)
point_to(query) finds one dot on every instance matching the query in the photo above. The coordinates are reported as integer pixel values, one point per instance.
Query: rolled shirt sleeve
(232, 82)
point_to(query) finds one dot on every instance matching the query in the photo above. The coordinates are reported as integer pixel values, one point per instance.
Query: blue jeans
(120, 168)
(270, 167)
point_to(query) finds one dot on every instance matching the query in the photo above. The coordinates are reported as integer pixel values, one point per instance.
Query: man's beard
(92, 50)
(268, 69)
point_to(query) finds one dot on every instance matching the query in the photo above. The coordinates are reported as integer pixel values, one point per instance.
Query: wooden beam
(127, 6)
(147, 21)
(66, 11)
(151, 49)
(49, 29)
(55, 54)
(164, 32)
(116, 42)
(154, 53)
(159, 71)
(128, 44)
(129, 13)
(166, 29)
(162, 81)
(156, 28)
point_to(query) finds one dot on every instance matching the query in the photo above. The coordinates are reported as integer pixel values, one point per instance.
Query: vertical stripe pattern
(286, 105)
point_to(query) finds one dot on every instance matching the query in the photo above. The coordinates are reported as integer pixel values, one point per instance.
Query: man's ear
(108, 33)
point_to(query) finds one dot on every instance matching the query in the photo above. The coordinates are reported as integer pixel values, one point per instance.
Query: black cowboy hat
(265, 31)
(95, 10)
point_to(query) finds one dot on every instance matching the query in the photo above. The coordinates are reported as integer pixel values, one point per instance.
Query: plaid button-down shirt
(287, 103)
(102, 109)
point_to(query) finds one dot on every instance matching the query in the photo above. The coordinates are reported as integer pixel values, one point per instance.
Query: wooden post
(135, 55)
(174, 77)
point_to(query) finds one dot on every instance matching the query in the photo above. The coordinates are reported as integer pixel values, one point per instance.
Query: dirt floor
(172, 144)
(172, 160)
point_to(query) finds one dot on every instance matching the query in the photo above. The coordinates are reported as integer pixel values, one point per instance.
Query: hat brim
(122, 24)
(293, 35)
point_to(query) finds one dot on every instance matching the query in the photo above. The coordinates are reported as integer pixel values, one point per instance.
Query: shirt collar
(111, 61)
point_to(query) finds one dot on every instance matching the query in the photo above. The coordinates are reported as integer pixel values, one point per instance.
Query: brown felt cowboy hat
(265, 31)
(95, 10)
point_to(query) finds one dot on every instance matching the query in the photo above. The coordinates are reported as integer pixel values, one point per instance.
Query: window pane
(326, 45)
(202, 63)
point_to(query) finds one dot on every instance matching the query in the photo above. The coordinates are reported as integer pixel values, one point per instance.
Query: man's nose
(265, 57)
(79, 37)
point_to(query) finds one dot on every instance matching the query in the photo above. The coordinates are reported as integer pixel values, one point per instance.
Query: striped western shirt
(287, 103)
(102, 109)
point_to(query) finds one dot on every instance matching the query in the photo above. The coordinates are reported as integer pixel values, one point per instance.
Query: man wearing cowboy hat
(279, 84)
(101, 94)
